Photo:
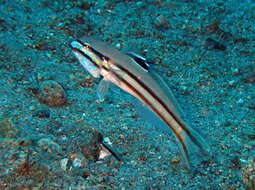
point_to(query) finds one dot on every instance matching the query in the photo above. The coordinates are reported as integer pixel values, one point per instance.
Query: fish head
(87, 57)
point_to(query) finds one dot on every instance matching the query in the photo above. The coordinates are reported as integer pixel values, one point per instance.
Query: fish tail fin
(193, 146)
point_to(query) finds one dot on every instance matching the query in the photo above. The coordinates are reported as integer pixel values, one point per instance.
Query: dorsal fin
(141, 61)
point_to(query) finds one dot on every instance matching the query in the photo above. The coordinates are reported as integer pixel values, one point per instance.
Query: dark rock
(52, 93)
(211, 44)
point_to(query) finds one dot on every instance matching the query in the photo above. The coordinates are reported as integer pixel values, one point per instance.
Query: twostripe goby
(131, 73)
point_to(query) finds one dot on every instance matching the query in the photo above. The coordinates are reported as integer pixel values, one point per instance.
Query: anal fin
(102, 89)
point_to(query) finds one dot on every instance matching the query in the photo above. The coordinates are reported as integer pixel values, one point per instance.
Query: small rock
(91, 151)
(77, 163)
(107, 140)
(85, 174)
(52, 93)
(32, 108)
(231, 83)
(118, 45)
(175, 161)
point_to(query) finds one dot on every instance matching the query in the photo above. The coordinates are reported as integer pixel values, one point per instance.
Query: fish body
(132, 73)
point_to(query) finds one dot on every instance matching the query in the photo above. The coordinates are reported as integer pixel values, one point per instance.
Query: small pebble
(107, 140)
(231, 82)
(118, 45)
(63, 163)
(77, 163)
(235, 70)
(85, 174)
(32, 108)
(175, 161)
(217, 123)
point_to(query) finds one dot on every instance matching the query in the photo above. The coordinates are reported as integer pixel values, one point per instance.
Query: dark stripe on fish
(163, 104)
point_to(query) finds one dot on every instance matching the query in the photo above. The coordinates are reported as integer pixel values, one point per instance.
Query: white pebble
(107, 140)
(243, 161)
(63, 163)
(231, 82)
(77, 163)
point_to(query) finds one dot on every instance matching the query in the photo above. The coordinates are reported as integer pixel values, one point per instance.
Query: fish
(133, 73)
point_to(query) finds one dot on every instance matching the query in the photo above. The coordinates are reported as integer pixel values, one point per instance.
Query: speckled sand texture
(49, 113)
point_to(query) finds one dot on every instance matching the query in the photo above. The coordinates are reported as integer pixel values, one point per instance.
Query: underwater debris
(143, 157)
(64, 163)
(52, 93)
(97, 148)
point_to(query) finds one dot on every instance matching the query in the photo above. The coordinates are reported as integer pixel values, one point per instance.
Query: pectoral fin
(102, 89)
